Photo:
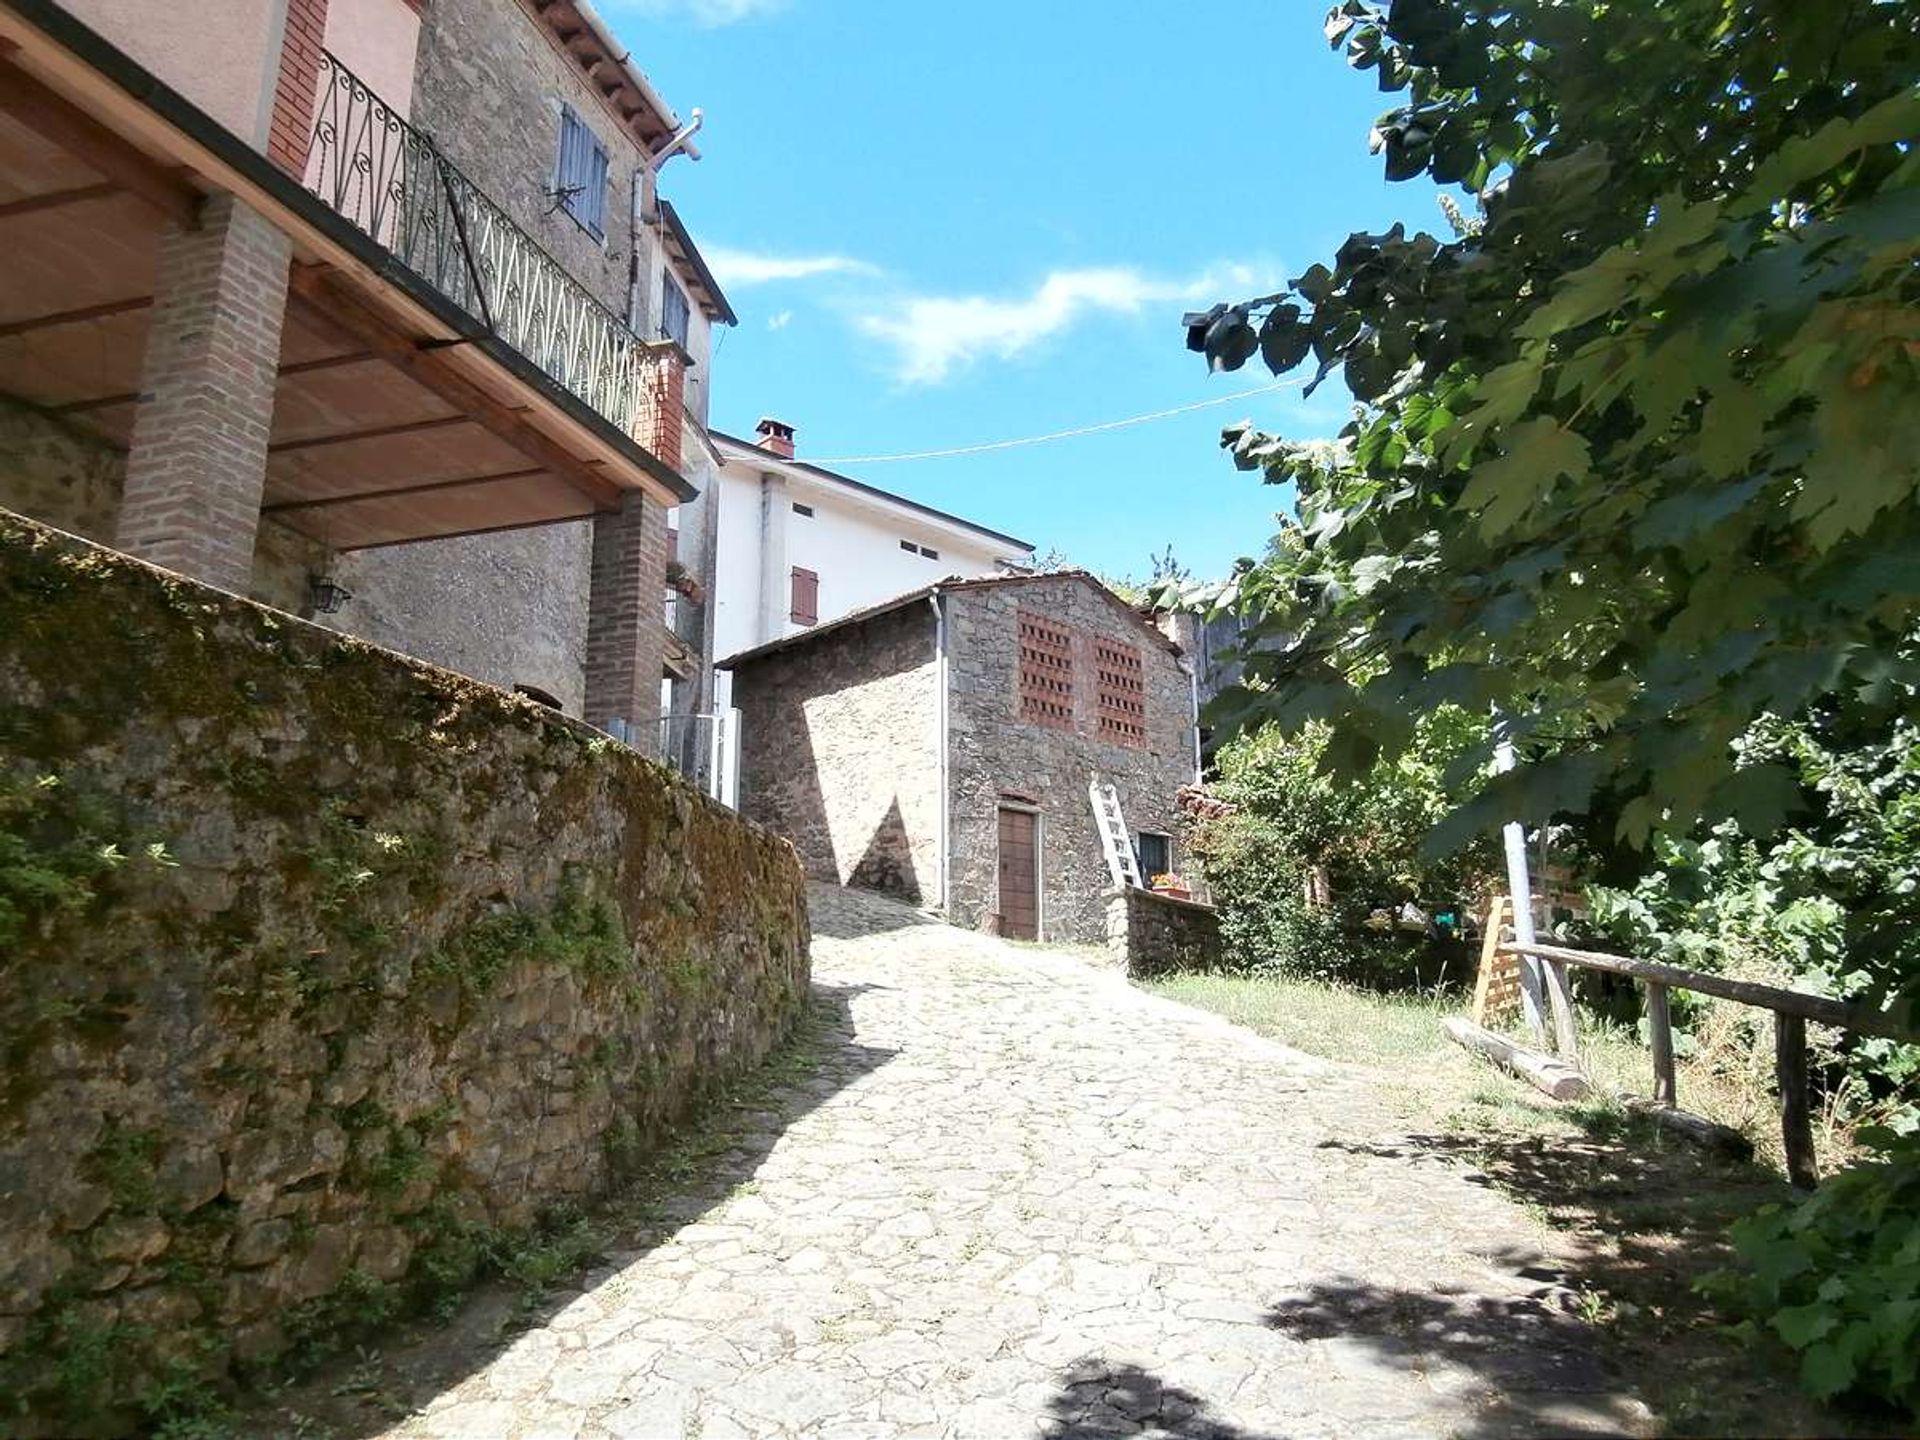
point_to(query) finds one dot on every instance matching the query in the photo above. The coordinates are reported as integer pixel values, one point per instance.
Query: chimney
(776, 437)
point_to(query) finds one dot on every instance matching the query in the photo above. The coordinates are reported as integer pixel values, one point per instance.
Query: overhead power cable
(1057, 434)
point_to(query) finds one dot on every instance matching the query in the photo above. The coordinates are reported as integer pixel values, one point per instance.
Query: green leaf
(1827, 1370)
(1538, 452)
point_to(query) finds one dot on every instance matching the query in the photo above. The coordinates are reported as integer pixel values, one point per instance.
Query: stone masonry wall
(993, 751)
(59, 473)
(510, 609)
(1157, 934)
(319, 967)
(839, 752)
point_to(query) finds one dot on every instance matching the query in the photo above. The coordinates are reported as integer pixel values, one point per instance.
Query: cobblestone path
(1028, 1199)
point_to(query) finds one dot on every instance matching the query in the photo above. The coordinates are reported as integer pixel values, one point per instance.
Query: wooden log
(1660, 1041)
(1796, 1119)
(1544, 1072)
(1891, 1025)
(1696, 1129)
(1565, 1036)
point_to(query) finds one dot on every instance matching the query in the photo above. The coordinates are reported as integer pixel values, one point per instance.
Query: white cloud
(934, 335)
(708, 14)
(746, 267)
(780, 321)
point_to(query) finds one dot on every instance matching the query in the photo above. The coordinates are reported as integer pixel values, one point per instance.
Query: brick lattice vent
(1046, 672)
(1122, 691)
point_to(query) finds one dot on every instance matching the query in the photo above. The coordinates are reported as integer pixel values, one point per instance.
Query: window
(1122, 691)
(1154, 853)
(910, 547)
(1046, 672)
(799, 509)
(930, 554)
(673, 311)
(806, 597)
(913, 549)
(580, 174)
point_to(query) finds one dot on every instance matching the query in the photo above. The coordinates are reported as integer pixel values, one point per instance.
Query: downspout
(940, 734)
(644, 211)
(1193, 712)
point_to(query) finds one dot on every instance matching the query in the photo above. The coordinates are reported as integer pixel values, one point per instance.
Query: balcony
(391, 181)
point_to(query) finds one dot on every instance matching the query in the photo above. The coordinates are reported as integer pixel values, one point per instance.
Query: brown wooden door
(1019, 875)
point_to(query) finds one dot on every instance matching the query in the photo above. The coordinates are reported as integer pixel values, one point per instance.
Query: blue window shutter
(580, 172)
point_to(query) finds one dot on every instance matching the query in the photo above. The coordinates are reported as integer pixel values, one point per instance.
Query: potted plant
(1172, 886)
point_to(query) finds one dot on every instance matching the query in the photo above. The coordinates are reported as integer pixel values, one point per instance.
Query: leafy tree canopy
(1638, 445)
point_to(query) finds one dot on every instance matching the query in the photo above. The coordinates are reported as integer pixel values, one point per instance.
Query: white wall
(851, 541)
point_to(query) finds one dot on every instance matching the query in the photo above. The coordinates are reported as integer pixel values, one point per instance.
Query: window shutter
(580, 172)
(806, 597)
(674, 311)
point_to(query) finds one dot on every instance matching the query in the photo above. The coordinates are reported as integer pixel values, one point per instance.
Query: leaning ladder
(1114, 836)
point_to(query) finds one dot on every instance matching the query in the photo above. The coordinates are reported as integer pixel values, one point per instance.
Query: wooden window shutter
(806, 597)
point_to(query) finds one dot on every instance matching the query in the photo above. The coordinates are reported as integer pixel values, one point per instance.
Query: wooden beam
(1887, 1024)
(303, 367)
(59, 199)
(326, 502)
(1660, 1041)
(164, 191)
(78, 316)
(1544, 1072)
(378, 432)
(1796, 1118)
(1695, 1129)
(462, 534)
(432, 369)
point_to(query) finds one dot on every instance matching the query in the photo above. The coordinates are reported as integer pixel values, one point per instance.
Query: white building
(799, 545)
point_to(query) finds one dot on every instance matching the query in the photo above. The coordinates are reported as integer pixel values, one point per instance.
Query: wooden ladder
(1115, 838)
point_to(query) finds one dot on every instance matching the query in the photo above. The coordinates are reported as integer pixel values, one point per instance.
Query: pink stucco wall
(224, 58)
(376, 39)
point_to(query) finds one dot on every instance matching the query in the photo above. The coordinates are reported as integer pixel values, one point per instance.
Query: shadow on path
(697, 1169)
(1098, 1401)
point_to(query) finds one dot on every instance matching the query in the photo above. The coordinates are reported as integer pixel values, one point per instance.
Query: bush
(1837, 1276)
(1312, 876)
(1830, 904)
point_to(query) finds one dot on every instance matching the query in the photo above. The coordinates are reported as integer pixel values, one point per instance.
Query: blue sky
(949, 225)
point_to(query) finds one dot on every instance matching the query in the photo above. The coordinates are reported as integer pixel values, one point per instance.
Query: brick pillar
(626, 620)
(198, 458)
(291, 129)
(663, 390)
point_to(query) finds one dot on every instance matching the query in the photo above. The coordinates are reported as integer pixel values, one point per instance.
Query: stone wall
(64, 475)
(994, 752)
(509, 609)
(839, 751)
(318, 967)
(1157, 934)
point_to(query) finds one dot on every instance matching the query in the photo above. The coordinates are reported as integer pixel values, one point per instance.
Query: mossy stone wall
(318, 966)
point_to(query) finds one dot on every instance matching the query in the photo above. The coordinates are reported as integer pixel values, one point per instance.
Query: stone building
(368, 309)
(939, 747)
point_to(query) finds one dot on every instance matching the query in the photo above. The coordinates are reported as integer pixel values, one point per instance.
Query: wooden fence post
(1660, 1041)
(1796, 1121)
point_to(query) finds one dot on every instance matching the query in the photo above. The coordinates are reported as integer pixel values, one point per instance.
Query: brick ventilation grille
(1046, 672)
(1122, 685)
(298, 82)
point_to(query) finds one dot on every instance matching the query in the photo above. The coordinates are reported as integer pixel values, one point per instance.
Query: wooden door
(1019, 875)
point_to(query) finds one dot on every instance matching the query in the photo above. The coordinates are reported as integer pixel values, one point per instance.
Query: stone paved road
(1031, 1200)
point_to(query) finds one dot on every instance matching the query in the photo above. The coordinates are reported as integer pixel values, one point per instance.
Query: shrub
(1312, 875)
(1837, 1276)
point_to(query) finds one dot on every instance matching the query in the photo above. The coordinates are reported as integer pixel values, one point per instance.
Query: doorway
(1019, 874)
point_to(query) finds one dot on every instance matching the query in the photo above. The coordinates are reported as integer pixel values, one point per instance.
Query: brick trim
(297, 85)
(1046, 671)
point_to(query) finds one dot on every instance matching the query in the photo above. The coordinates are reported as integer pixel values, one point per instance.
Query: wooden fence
(1508, 980)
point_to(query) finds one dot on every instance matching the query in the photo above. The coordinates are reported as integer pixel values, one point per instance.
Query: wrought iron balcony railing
(392, 181)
